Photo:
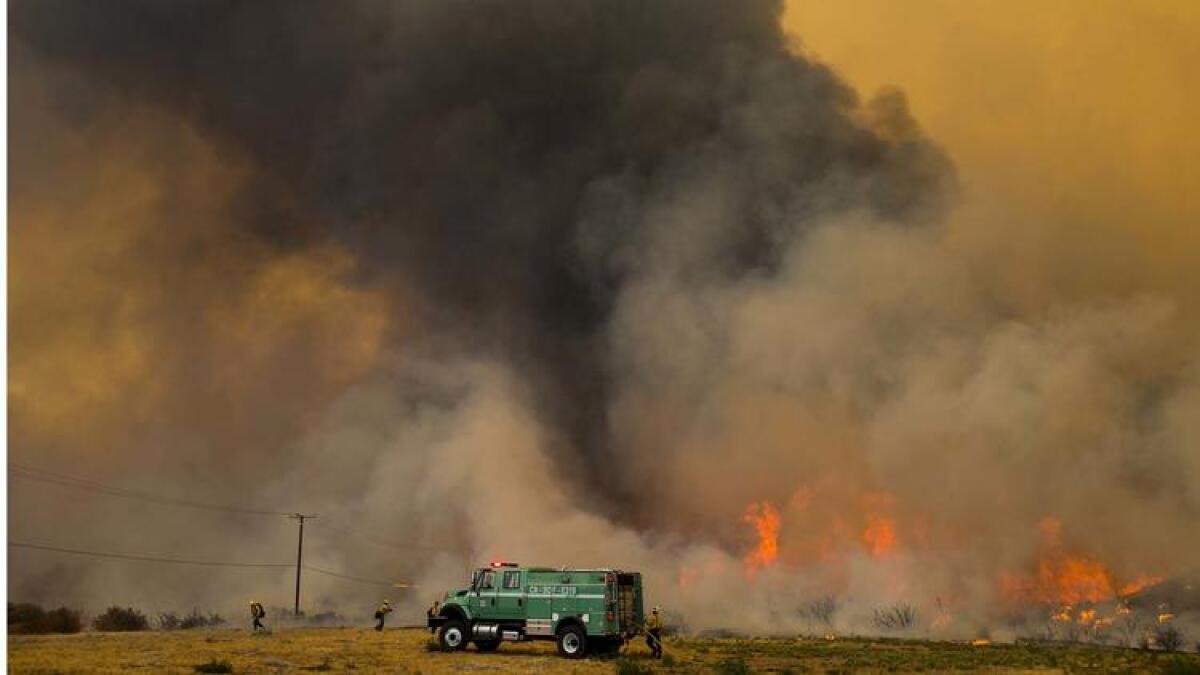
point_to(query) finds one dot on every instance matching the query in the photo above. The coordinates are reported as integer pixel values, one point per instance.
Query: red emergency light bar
(504, 564)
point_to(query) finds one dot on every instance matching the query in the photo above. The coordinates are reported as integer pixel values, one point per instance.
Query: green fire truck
(583, 610)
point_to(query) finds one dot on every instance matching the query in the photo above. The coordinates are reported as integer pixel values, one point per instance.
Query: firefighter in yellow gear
(381, 614)
(257, 612)
(654, 633)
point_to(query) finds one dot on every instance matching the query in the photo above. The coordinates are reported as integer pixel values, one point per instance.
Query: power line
(206, 563)
(144, 558)
(361, 580)
(384, 542)
(63, 480)
(33, 473)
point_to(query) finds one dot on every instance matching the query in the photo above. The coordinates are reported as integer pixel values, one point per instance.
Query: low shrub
(119, 619)
(64, 620)
(820, 611)
(25, 617)
(198, 620)
(30, 619)
(897, 617)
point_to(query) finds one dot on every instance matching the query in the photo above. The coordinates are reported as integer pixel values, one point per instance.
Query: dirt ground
(408, 651)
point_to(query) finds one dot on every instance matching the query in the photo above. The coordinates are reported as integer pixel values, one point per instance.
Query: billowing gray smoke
(566, 281)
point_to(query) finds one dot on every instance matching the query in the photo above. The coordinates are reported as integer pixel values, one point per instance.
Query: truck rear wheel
(572, 642)
(453, 636)
(487, 645)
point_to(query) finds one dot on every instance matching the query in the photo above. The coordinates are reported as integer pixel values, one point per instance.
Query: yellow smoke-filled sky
(1080, 113)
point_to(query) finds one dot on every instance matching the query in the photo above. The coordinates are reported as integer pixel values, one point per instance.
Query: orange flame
(879, 536)
(1066, 579)
(1061, 579)
(1076, 579)
(1138, 585)
(766, 522)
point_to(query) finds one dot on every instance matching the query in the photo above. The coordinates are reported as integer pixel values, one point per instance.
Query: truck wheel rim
(570, 643)
(453, 637)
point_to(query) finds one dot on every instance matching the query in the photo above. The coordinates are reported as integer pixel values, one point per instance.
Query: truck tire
(572, 642)
(453, 635)
(487, 645)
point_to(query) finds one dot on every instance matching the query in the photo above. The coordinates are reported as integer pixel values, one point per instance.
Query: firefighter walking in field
(381, 614)
(257, 612)
(654, 633)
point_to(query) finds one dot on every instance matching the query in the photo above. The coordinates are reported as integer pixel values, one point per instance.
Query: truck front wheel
(572, 642)
(453, 636)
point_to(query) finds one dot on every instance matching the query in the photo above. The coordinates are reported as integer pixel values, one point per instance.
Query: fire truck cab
(583, 610)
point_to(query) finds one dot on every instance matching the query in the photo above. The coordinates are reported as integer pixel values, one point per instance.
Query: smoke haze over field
(581, 283)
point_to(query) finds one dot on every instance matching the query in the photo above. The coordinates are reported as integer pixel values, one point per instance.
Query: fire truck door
(487, 588)
(510, 598)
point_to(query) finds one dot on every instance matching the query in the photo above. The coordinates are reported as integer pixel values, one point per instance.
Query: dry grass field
(406, 651)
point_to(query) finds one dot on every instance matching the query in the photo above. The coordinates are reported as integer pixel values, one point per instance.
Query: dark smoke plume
(498, 157)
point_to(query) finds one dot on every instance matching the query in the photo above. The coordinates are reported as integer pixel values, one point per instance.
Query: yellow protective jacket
(653, 622)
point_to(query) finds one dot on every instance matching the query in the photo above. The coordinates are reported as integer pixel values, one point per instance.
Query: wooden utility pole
(300, 554)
